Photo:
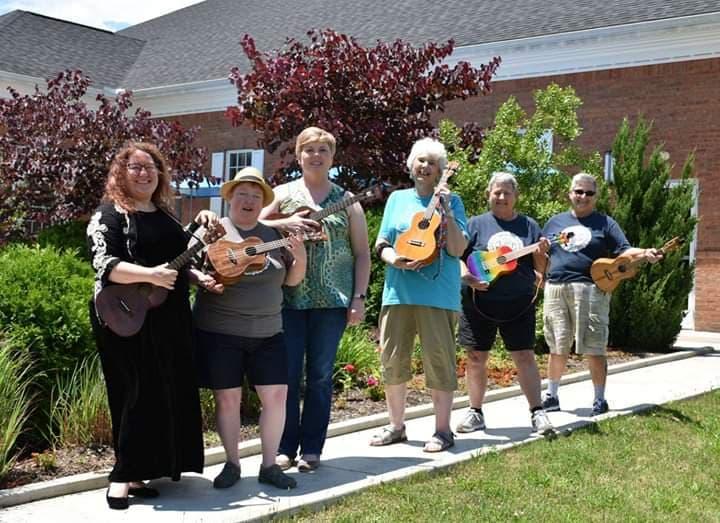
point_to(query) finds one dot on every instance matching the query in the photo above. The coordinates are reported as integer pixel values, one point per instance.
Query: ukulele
(488, 266)
(419, 242)
(123, 307)
(374, 191)
(231, 260)
(607, 273)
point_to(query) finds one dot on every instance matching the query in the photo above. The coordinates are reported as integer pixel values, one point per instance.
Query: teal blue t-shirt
(436, 285)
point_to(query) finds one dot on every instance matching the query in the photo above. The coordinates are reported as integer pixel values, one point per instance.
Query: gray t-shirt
(251, 307)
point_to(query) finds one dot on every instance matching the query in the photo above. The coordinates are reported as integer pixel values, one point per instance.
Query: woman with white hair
(505, 303)
(421, 299)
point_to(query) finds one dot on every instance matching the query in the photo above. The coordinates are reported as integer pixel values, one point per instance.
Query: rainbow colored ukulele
(488, 266)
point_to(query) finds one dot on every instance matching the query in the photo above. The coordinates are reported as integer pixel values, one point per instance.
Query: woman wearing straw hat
(238, 331)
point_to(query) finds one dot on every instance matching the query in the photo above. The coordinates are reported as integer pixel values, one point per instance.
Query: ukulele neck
(182, 260)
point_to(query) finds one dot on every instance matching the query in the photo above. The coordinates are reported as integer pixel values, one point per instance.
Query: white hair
(429, 147)
(584, 177)
(501, 177)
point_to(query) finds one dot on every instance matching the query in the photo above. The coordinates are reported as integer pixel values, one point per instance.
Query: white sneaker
(472, 421)
(541, 423)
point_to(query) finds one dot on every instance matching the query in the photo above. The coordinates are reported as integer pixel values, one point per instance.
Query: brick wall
(683, 99)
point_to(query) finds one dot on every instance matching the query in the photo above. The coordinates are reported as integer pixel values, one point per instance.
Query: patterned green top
(330, 273)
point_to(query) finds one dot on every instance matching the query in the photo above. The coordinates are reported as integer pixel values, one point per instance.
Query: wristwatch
(359, 297)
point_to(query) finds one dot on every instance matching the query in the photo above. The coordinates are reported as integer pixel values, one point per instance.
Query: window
(235, 161)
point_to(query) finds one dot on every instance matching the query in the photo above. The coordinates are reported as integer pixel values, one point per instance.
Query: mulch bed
(351, 405)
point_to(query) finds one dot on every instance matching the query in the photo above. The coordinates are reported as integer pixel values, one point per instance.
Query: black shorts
(224, 359)
(480, 322)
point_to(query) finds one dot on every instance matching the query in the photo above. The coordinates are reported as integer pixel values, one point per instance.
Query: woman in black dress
(150, 378)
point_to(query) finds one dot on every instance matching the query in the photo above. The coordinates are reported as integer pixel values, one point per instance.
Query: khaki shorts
(576, 311)
(436, 327)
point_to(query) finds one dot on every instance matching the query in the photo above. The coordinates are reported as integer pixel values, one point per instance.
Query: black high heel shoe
(116, 503)
(143, 492)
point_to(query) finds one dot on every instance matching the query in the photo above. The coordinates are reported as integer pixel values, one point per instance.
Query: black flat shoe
(116, 503)
(143, 492)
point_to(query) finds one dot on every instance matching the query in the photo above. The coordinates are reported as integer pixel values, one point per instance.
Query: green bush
(357, 356)
(15, 403)
(68, 236)
(373, 301)
(44, 307)
(650, 213)
(79, 413)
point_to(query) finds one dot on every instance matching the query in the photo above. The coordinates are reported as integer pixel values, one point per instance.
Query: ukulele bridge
(124, 307)
(232, 257)
(416, 243)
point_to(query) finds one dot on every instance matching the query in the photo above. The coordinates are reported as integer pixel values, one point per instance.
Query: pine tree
(647, 311)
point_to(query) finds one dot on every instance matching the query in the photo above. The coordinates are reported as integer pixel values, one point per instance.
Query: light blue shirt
(436, 285)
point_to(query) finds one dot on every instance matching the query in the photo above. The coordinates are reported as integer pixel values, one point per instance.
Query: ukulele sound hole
(250, 251)
(501, 260)
(423, 224)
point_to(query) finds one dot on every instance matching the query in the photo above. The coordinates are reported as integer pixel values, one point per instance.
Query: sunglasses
(580, 192)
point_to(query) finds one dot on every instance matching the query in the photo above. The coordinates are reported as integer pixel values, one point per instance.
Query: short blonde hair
(430, 147)
(314, 134)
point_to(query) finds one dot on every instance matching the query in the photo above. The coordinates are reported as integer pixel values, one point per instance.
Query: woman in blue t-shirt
(420, 299)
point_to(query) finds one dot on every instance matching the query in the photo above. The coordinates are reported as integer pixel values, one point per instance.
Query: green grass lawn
(663, 465)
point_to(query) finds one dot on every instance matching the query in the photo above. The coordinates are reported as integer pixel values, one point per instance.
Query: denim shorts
(223, 360)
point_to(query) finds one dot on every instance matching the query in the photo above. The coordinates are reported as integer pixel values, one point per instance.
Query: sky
(111, 15)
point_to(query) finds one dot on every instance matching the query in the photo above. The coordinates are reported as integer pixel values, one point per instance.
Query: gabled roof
(200, 42)
(37, 45)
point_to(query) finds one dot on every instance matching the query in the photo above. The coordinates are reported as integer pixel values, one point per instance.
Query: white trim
(689, 319)
(630, 45)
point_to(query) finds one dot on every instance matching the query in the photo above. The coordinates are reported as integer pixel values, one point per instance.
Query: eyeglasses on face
(138, 167)
(580, 192)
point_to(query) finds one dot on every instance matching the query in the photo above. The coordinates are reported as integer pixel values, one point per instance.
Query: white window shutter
(216, 169)
(258, 159)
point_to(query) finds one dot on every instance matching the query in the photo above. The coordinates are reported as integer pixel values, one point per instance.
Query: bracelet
(359, 297)
(380, 248)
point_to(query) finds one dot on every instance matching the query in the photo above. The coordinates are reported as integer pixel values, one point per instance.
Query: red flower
(349, 368)
(372, 381)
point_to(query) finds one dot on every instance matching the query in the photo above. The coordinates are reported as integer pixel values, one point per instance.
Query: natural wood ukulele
(607, 273)
(488, 266)
(318, 215)
(123, 307)
(232, 259)
(419, 242)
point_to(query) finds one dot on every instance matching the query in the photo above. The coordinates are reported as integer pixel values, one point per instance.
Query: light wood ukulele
(419, 242)
(232, 259)
(607, 273)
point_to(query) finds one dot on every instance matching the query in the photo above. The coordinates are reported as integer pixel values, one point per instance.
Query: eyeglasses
(137, 167)
(580, 192)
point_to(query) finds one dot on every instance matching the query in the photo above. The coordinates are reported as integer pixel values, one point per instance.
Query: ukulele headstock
(213, 233)
(675, 243)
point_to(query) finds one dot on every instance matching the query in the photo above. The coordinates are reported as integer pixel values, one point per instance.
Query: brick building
(660, 59)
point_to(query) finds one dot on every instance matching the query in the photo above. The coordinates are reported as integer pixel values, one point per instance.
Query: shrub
(357, 356)
(79, 413)
(44, 307)
(650, 213)
(15, 402)
(373, 302)
(69, 236)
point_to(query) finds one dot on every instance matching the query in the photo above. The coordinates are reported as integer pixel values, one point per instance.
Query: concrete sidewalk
(349, 464)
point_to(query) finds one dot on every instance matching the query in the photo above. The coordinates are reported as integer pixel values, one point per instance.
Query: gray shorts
(576, 311)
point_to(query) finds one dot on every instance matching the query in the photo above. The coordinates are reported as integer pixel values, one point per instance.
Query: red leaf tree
(55, 150)
(376, 100)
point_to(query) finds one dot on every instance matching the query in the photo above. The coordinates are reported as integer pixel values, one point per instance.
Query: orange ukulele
(419, 242)
(232, 259)
(607, 273)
